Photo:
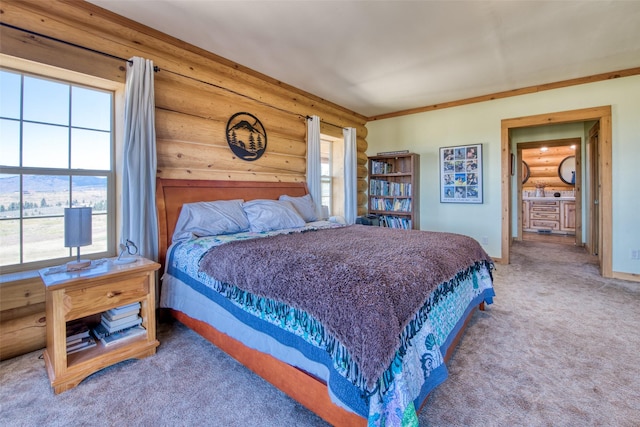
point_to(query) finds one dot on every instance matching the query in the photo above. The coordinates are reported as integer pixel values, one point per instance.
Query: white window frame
(30, 68)
(326, 151)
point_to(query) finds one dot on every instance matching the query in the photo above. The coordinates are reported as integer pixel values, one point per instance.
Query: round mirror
(525, 172)
(567, 170)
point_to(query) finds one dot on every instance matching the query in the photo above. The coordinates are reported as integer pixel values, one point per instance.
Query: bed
(342, 363)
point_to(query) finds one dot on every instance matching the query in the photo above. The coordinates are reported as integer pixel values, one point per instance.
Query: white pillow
(267, 215)
(210, 219)
(304, 205)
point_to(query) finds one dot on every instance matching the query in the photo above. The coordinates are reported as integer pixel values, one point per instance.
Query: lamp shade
(77, 227)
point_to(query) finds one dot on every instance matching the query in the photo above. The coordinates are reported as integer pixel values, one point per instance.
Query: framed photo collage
(461, 174)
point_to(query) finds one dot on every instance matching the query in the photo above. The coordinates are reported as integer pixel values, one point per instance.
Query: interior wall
(424, 133)
(196, 92)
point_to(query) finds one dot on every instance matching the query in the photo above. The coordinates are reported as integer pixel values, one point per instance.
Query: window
(56, 151)
(326, 186)
(332, 173)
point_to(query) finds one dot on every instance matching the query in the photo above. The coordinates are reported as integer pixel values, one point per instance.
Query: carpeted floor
(559, 347)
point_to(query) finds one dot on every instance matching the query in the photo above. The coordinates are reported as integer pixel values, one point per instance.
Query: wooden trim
(631, 277)
(603, 115)
(515, 92)
(592, 155)
(506, 189)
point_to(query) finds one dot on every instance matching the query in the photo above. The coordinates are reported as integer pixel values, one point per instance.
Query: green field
(43, 225)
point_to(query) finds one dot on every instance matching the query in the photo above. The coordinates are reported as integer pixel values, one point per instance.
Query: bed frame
(306, 389)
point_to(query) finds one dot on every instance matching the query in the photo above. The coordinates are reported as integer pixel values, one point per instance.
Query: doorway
(557, 217)
(602, 115)
(592, 243)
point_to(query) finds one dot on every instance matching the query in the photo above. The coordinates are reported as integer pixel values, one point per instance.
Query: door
(593, 240)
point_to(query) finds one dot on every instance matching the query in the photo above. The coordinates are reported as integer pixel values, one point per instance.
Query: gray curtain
(313, 162)
(139, 216)
(350, 175)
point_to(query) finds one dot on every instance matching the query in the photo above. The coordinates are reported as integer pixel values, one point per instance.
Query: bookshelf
(393, 189)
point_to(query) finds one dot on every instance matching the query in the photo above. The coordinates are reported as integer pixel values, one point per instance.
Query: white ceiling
(377, 57)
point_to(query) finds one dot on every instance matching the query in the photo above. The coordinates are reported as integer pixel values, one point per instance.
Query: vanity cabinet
(551, 216)
(525, 214)
(568, 216)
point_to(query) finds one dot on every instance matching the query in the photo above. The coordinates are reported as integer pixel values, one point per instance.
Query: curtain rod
(64, 42)
(327, 123)
(155, 68)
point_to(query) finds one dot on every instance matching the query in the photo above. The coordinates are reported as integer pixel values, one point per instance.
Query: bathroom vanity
(555, 215)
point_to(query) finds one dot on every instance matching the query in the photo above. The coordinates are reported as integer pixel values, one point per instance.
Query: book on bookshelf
(120, 324)
(395, 222)
(83, 344)
(394, 188)
(114, 317)
(391, 153)
(122, 311)
(101, 330)
(77, 329)
(123, 335)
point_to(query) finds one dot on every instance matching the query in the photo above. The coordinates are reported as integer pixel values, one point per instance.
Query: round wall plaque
(246, 136)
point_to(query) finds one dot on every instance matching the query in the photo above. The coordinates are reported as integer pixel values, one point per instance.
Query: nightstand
(85, 294)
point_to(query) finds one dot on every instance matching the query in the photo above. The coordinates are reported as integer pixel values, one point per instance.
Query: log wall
(543, 166)
(196, 92)
(22, 317)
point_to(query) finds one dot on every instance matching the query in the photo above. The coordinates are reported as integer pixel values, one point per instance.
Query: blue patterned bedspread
(416, 370)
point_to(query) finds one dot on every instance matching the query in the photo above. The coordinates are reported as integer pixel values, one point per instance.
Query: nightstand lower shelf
(87, 362)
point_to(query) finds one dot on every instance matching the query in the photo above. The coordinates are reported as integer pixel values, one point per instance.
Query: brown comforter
(363, 283)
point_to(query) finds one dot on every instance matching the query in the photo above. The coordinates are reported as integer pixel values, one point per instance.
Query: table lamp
(77, 232)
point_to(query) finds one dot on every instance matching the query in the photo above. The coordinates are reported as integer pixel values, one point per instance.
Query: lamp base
(78, 265)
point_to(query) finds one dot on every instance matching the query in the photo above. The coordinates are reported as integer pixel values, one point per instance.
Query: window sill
(18, 276)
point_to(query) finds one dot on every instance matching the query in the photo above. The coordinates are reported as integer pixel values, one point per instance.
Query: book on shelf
(83, 344)
(379, 187)
(122, 311)
(77, 329)
(125, 314)
(121, 320)
(123, 335)
(381, 167)
(101, 329)
(121, 324)
(391, 221)
(390, 153)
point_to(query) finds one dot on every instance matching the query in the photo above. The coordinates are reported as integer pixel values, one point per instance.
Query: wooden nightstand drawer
(82, 302)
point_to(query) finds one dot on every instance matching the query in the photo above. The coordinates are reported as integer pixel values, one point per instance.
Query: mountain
(49, 183)
(243, 124)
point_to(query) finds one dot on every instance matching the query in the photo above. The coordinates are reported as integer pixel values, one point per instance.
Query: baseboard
(632, 277)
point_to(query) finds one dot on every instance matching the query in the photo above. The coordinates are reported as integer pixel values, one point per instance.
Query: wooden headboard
(171, 194)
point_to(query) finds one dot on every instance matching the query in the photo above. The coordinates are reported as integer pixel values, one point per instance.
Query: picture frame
(461, 174)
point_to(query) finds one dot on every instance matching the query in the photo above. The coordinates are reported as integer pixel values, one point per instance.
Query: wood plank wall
(196, 93)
